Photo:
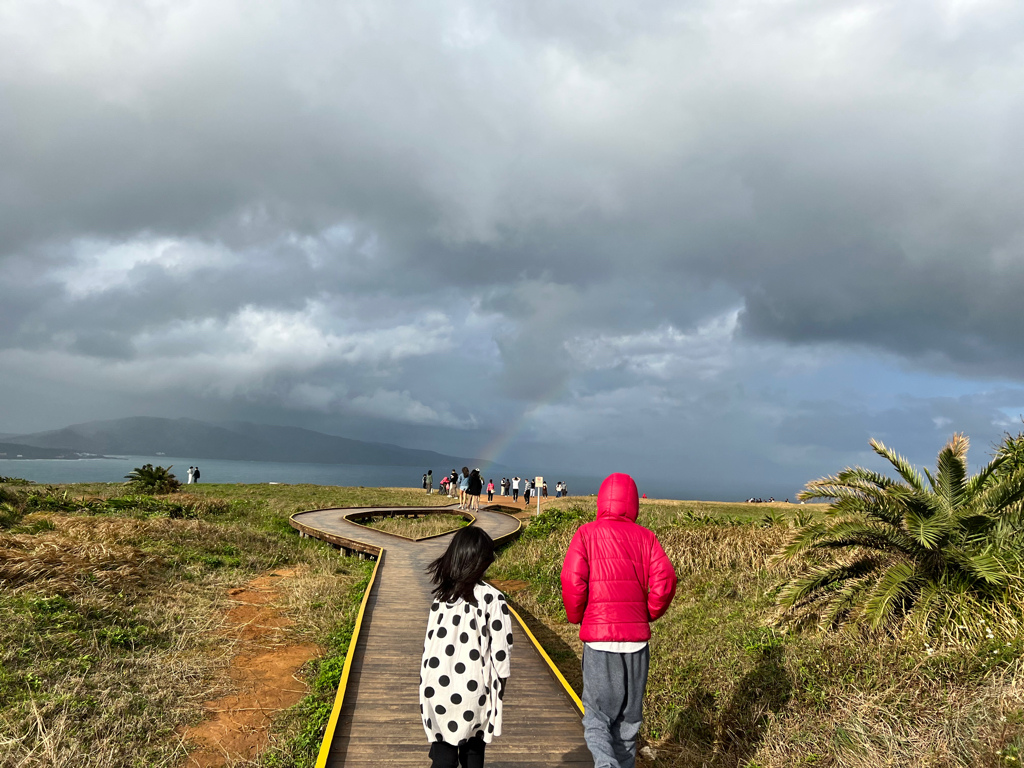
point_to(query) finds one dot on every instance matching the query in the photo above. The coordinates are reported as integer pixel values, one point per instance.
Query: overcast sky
(723, 242)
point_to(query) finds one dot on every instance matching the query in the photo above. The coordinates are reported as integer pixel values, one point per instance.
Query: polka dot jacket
(466, 656)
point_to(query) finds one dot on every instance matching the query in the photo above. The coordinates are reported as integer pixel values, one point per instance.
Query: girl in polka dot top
(466, 654)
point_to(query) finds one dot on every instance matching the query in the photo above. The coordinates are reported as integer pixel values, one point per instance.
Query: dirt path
(263, 677)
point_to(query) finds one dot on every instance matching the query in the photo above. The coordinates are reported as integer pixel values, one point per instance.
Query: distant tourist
(430, 481)
(515, 488)
(424, 481)
(473, 488)
(191, 475)
(565, 489)
(462, 683)
(463, 486)
(558, 489)
(616, 578)
(443, 485)
(526, 492)
(490, 490)
(453, 484)
(195, 475)
(544, 490)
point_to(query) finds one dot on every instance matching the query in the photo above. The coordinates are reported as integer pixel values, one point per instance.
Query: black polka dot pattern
(465, 655)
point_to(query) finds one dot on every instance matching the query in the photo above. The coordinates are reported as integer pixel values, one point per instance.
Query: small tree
(150, 479)
(940, 550)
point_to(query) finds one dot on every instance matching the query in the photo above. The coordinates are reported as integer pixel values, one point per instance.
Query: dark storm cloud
(873, 202)
(444, 215)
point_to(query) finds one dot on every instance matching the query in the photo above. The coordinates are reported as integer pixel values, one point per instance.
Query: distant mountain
(189, 438)
(23, 451)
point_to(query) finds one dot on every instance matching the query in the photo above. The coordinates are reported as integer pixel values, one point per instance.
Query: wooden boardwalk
(379, 722)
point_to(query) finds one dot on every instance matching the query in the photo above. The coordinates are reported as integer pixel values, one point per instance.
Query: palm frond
(986, 475)
(824, 577)
(840, 605)
(801, 540)
(905, 469)
(951, 478)
(928, 531)
(891, 595)
(858, 533)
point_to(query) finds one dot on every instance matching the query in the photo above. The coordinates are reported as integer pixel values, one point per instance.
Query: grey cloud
(539, 174)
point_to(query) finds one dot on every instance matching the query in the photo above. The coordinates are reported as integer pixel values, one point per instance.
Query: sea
(112, 469)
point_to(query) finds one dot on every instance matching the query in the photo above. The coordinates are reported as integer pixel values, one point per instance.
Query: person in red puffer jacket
(616, 579)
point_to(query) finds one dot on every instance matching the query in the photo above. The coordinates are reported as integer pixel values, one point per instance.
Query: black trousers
(469, 755)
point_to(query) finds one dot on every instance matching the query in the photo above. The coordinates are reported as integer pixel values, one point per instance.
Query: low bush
(150, 479)
(937, 553)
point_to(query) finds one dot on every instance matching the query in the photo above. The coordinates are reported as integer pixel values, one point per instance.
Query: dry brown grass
(110, 628)
(65, 560)
(417, 528)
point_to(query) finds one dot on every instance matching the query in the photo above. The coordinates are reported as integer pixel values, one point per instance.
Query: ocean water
(113, 470)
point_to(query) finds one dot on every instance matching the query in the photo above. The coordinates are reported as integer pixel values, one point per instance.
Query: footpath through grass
(111, 605)
(726, 689)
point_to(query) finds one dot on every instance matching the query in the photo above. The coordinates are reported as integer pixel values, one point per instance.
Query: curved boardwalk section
(379, 723)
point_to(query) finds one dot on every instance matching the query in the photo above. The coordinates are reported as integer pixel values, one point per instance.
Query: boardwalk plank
(379, 722)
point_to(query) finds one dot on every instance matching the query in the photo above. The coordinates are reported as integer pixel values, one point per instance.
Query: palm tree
(150, 479)
(940, 551)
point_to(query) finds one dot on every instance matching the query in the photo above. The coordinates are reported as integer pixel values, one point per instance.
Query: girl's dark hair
(461, 567)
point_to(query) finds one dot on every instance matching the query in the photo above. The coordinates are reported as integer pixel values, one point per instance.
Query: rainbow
(495, 449)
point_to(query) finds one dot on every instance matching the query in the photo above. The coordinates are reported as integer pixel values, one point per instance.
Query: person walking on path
(515, 488)
(466, 654)
(463, 486)
(473, 488)
(526, 492)
(490, 490)
(616, 579)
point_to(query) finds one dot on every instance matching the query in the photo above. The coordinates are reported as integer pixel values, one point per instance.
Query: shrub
(150, 479)
(940, 551)
(552, 518)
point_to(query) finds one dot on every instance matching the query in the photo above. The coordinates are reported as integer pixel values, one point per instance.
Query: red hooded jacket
(616, 577)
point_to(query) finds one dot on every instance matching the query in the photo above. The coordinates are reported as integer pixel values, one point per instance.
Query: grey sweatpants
(613, 698)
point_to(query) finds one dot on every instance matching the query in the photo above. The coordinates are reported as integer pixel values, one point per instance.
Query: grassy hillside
(110, 607)
(728, 689)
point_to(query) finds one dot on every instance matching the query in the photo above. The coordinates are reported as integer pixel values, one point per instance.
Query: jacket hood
(618, 497)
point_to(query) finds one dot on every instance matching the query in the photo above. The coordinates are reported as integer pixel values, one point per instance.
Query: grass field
(728, 689)
(111, 608)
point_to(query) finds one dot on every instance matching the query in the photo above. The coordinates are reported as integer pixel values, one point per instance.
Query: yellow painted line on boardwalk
(543, 654)
(339, 698)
